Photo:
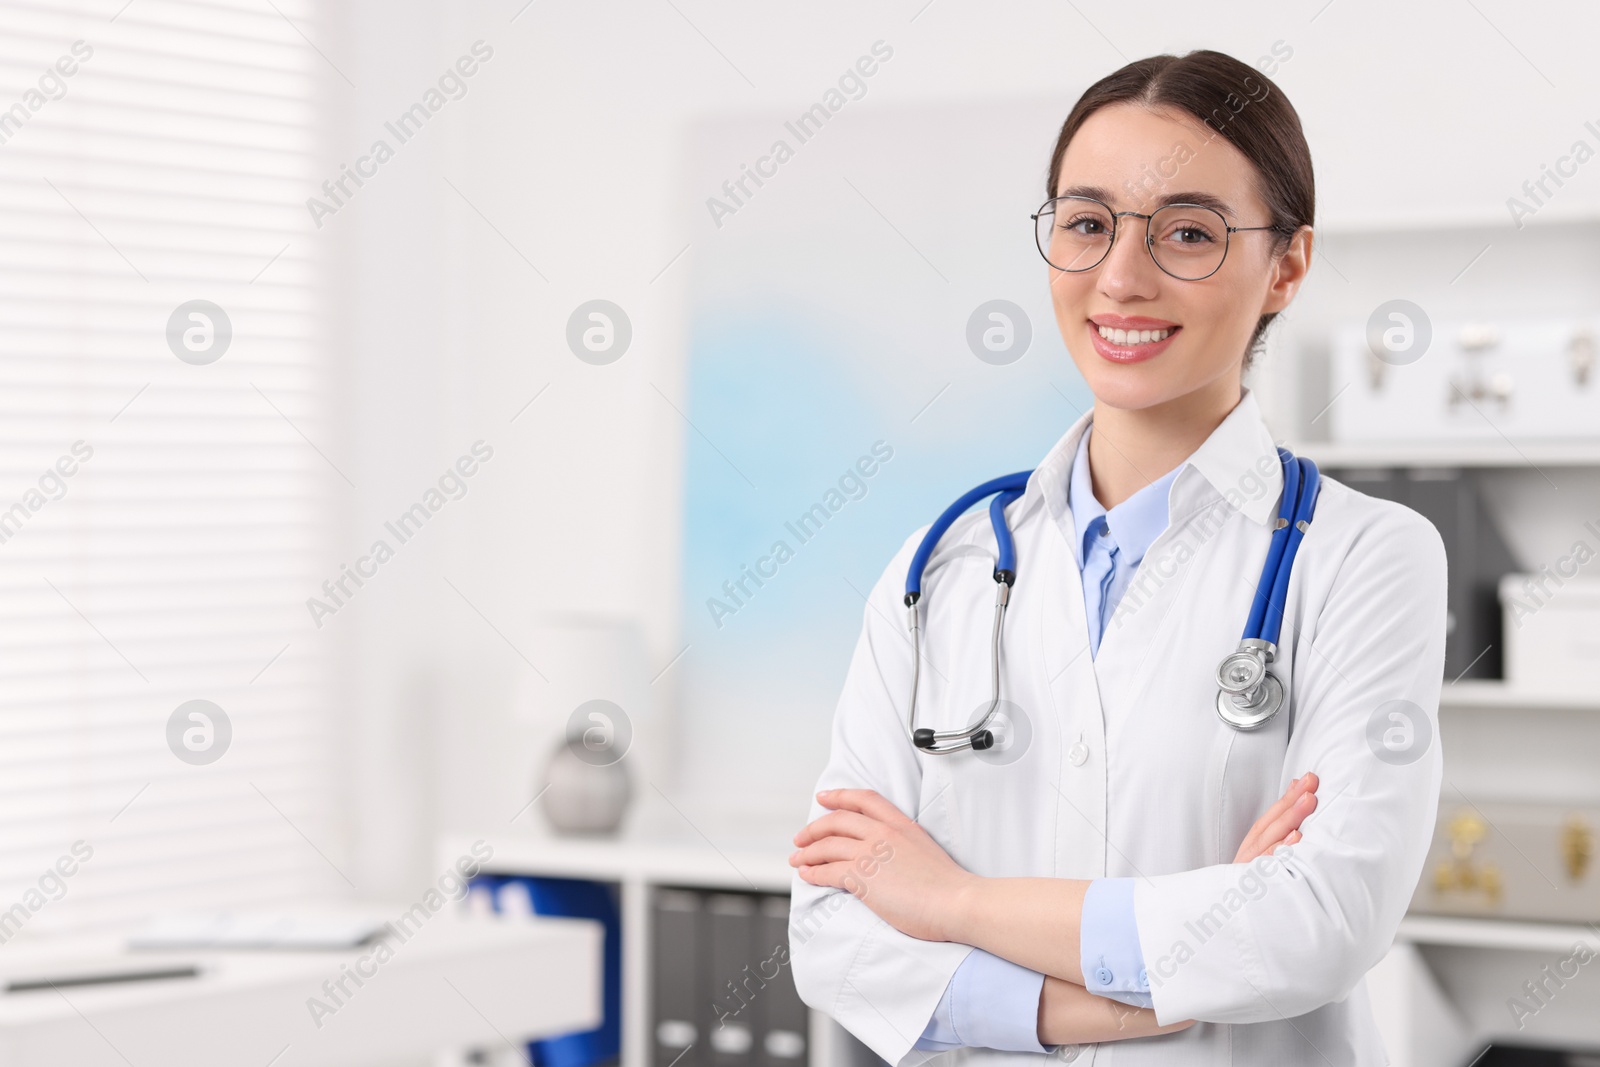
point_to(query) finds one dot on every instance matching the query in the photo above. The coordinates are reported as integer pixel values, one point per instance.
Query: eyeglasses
(1187, 241)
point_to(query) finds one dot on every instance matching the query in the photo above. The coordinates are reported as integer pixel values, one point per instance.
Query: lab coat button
(1078, 753)
(1103, 975)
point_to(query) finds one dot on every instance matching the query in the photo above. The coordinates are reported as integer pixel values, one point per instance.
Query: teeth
(1132, 337)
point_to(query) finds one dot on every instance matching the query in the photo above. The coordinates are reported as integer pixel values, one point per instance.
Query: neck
(1130, 448)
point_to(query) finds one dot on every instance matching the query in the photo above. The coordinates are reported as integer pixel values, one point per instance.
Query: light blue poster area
(835, 400)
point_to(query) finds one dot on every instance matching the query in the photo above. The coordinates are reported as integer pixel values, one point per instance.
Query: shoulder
(1367, 535)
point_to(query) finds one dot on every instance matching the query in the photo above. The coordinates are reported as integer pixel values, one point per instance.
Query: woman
(1128, 869)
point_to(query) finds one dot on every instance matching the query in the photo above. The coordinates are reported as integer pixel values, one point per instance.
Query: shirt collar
(1134, 523)
(1237, 464)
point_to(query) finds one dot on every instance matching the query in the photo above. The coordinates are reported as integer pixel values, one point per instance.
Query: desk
(455, 981)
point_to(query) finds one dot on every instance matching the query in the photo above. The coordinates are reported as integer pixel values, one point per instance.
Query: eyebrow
(1215, 203)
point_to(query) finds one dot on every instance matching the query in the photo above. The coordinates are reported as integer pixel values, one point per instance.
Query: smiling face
(1207, 322)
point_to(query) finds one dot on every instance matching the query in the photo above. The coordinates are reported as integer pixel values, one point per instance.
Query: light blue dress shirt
(990, 1001)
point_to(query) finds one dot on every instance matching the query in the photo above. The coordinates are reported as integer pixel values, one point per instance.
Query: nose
(1128, 270)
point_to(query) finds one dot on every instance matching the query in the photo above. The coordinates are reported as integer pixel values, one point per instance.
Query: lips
(1130, 351)
(1131, 322)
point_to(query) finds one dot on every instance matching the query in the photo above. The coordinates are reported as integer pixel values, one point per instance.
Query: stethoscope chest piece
(1248, 694)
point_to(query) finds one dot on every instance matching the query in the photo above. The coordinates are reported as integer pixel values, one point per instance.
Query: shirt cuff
(940, 1035)
(1113, 962)
(989, 1003)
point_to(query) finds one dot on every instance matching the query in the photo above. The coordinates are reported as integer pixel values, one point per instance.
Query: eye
(1188, 233)
(1087, 225)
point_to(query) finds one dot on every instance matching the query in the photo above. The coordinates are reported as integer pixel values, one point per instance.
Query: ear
(1289, 270)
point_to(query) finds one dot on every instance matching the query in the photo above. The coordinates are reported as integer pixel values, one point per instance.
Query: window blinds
(161, 507)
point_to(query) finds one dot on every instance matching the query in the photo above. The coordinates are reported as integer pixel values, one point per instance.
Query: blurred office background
(489, 285)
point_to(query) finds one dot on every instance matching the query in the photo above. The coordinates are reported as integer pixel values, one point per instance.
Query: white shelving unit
(1444, 990)
(1493, 933)
(1426, 1022)
(1471, 693)
(637, 863)
(1496, 453)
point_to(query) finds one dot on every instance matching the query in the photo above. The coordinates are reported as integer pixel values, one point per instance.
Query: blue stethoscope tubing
(1248, 694)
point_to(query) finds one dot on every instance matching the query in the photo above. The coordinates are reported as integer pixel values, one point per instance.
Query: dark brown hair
(1238, 103)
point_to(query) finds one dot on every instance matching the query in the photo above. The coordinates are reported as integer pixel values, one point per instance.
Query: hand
(869, 847)
(1281, 824)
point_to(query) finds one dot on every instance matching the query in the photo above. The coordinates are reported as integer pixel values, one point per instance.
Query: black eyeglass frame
(1149, 241)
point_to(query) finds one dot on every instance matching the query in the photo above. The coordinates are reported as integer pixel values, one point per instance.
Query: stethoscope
(1248, 694)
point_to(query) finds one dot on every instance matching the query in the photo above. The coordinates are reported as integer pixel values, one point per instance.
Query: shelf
(753, 866)
(748, 858)
(1497, 453)
(1508, 934)
(1497, 694)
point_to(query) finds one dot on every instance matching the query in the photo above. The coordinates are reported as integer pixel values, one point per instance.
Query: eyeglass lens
(1187, 241)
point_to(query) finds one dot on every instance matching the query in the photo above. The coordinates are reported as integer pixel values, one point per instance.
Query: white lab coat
(1159, 789)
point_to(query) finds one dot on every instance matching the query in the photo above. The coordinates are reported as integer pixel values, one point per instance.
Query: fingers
(836, 876)
(1279, 828)
(1293, 837)
(839, 824)
(1305, 784)
(1283, 818)
(867, 801)
(827, 850)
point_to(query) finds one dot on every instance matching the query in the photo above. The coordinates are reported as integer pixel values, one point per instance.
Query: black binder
(732, 995)
(783, 1030)
(677, 970)
(1477, 555)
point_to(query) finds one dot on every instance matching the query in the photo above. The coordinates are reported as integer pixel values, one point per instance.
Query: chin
(1129, 388)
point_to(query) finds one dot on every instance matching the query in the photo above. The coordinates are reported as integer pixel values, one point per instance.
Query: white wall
(568, 144)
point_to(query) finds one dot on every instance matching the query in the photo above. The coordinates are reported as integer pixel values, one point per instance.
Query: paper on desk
(267, 930)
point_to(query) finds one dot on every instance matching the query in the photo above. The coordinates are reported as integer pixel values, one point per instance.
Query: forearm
(1034, 922)
(1071, 1015)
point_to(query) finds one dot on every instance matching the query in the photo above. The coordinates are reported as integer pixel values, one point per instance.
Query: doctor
(1125, 877)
